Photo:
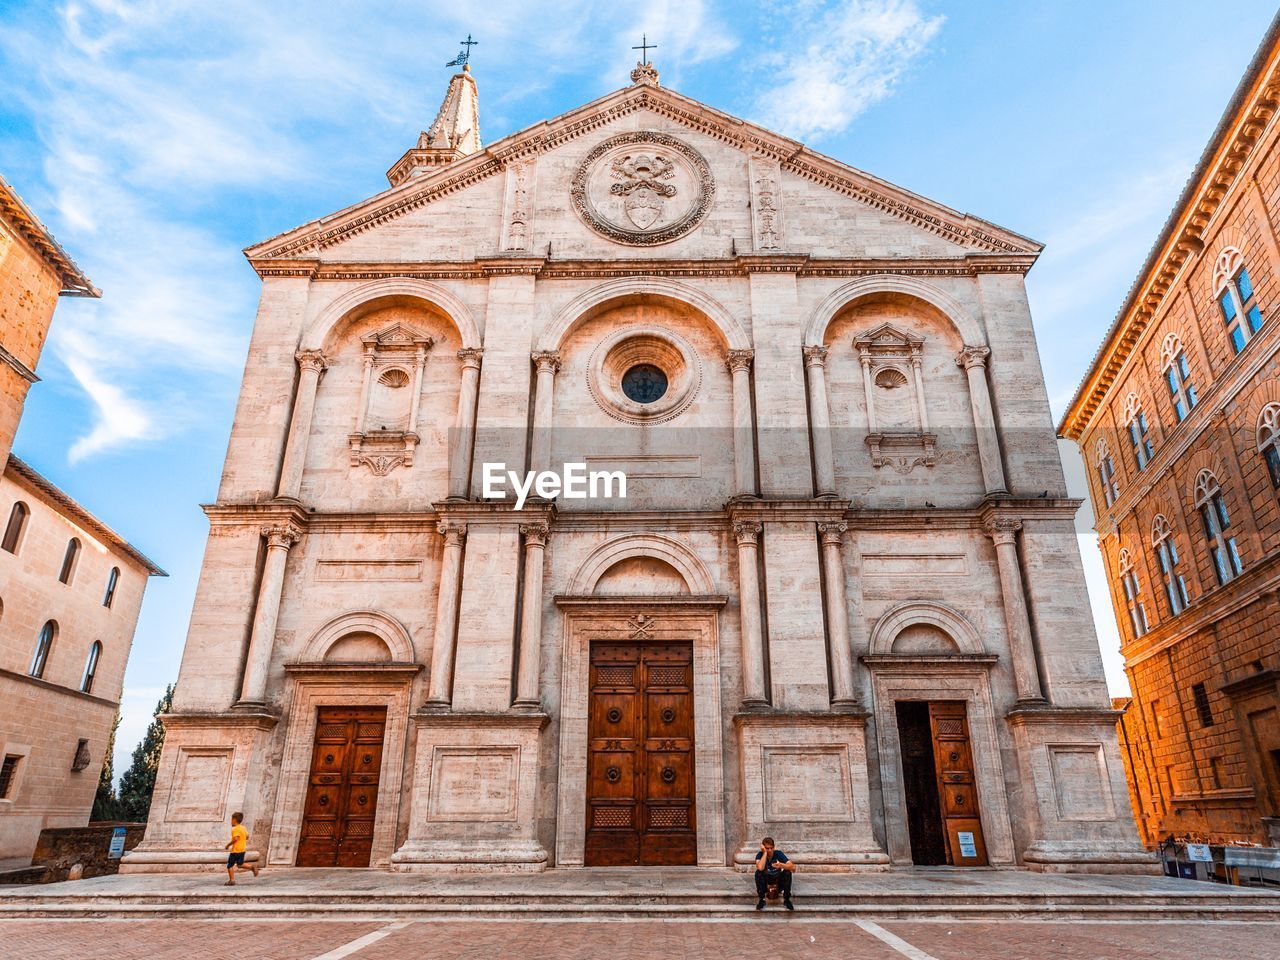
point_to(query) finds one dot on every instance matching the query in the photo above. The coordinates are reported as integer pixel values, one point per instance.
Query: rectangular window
(1181, 390)
(1137, 615)
(1142, 449)
(1175, 587)
(7, 772)
(1203, 709)
(1107, 477)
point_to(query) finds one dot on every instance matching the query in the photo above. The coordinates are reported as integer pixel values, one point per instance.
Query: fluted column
(837, 611)
(1004, 532)
(815, 363)
(974, 361)
(311, 364)
(547, 363)
(747, 533)
(528, 694)
(744, 443)
(440, 693)
(464, 425)
(262, 637)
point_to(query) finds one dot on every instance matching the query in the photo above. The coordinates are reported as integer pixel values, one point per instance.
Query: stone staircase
(640, 895)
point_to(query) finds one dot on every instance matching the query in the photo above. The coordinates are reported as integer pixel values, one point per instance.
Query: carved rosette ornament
(643, 188)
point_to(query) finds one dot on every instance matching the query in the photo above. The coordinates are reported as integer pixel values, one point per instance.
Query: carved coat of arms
(643, 183)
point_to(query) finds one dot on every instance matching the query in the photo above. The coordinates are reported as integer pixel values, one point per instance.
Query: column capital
(739, 360)
(1002, 529)
(546, 360)
(747, 531)
(832, 532)
(453, 531)
(470, 357)
(971, 357)
(536, 533)
(312, 360)
(281, 535)
(815, 356)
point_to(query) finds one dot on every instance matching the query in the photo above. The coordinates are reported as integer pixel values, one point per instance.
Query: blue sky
(159, 139)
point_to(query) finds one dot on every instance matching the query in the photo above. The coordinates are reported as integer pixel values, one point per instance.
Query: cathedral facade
(791, 552)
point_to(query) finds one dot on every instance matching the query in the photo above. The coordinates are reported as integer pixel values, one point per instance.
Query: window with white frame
(1166, 547)
(1139, 436)
(1132, 594)
(1217, 524)
(1177, 374)
(1236, 300)
(1269, 440)
(1106, 472)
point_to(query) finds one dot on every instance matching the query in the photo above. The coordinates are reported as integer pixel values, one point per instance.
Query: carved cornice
(961, 229)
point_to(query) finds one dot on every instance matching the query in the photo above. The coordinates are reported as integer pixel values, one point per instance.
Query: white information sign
(967, 847)
(116, 850)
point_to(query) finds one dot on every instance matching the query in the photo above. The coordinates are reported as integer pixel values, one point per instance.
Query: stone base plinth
(1089, 857)
(804, 783)
(180, 861)
(475, 780)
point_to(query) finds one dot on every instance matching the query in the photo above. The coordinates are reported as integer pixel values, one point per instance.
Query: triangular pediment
(396, 335)
(888, 339)
(792, 157)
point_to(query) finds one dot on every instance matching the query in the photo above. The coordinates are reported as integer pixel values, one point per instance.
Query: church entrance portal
(342, 791)
(938, 784)
(640, 759)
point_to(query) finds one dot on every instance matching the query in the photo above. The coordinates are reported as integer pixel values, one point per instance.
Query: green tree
(105, 804)
(140, 779)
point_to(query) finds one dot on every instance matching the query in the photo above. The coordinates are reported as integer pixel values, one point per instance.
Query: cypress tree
(105, 804)
(139, 780)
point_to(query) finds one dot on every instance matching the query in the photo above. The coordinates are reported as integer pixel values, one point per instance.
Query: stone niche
(804, 782)
(475, 780)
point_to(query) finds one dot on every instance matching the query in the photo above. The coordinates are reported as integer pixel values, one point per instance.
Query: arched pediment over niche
(843, 297)
(367, 636)
(598, 568)
(924, 626)
(369, 296)
(635, 289)
(643, 576)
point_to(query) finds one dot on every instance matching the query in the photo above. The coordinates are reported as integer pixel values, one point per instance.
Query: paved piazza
(788, 936)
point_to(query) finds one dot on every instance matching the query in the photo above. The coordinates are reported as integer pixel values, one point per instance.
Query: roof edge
(74, 281)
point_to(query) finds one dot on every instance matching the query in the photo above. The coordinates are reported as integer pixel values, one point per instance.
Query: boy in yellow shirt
(238, 845)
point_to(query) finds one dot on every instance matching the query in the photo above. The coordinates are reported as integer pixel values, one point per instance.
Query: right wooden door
(957, 787)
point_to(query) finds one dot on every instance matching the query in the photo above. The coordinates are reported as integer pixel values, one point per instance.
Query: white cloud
(840, 60)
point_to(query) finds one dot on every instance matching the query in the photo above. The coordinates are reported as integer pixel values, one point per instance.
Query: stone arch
(590, 303)
(929, 612)
(318, 330)
(965, 323)
(386, 628)
(669, 551)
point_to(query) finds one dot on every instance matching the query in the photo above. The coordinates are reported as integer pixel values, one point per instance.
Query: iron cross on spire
(464, 57)
(644, 48)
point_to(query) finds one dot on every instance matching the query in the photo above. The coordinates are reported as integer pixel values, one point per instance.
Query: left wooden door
(342, 792)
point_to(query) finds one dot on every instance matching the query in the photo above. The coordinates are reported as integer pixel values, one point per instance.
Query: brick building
(70, 588)
(1179, 423)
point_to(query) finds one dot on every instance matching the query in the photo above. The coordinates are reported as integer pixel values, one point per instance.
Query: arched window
(1132, 595)
(1269, 440)
(1236, 300)
(44, 644)
(112, 579)
(1177, 374)
(13, 530)
(1175, 587)
(69, 560)
(1217, 523)
(1138, 435)
(91, 667)
(1106, 472)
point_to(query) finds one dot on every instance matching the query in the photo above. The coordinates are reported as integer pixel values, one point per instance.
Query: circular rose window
(644, 374)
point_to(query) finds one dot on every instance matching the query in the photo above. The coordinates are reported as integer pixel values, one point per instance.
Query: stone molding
(932, 612)
(966, 325)
(382, 625)
(318, 329)
(687, 563)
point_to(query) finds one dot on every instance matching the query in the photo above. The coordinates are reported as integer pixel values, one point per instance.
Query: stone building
(1179, 422)
(70, 587)
(841, 601)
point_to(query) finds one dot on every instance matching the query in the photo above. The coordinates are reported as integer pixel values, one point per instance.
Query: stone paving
(793, 937)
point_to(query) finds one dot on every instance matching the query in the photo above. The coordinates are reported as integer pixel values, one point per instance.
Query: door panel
(957, 786)
(342, 791)
(640, 768)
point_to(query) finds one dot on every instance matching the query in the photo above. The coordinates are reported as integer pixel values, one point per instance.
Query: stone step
(23, 875)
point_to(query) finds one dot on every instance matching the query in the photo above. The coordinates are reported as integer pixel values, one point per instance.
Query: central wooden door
(640, 770)
(342, 792)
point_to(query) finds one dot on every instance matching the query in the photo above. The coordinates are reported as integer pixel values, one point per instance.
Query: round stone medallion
(643, 188)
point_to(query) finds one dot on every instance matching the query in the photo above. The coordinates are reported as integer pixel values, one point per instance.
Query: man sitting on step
(773, 869)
